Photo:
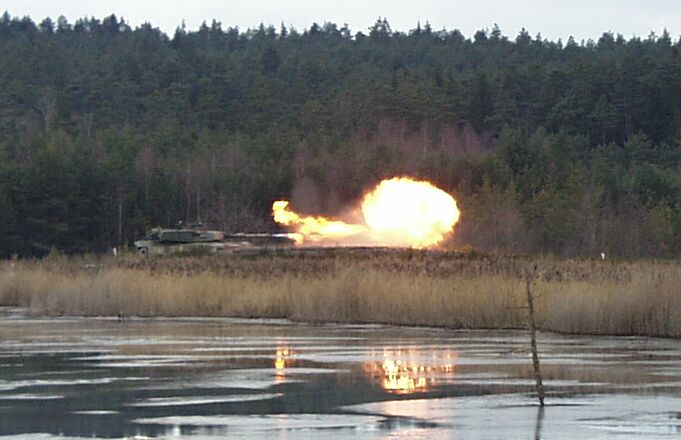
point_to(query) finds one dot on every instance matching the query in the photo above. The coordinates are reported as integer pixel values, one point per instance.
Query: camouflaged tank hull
(160, 242)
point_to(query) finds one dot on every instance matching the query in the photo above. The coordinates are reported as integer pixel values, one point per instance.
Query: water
(213, 378)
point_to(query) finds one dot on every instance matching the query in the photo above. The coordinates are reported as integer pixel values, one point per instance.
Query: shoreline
(279, 321)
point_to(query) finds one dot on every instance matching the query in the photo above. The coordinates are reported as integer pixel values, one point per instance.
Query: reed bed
(394, 287)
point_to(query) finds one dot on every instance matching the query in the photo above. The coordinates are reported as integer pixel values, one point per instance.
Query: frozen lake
(213, 378)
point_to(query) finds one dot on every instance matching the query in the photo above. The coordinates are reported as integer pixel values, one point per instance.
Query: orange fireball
(398, 212)
(411, 213)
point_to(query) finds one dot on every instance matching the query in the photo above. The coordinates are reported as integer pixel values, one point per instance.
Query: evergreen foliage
(551, 147)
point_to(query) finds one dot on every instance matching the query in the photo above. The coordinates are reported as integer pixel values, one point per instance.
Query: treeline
(551, 147)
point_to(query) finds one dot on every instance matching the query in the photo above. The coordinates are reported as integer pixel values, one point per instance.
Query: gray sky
(553, 19)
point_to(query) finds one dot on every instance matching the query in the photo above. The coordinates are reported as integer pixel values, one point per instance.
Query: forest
(560, 148)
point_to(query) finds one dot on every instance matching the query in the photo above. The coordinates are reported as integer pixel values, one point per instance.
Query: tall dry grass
(410, 288)
(647, 303)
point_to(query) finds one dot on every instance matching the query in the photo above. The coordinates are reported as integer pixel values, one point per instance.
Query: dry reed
(408, 288)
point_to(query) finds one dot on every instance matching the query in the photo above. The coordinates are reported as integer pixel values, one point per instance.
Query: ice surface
(215, 378)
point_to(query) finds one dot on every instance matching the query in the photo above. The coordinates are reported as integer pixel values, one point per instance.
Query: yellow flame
(397, 212)
(311, 228)
(414, 213)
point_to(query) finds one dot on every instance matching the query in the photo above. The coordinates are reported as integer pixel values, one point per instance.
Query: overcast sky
(552, 18)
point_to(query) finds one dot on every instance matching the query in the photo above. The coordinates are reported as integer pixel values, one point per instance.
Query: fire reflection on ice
(410, 371)
(282, 360)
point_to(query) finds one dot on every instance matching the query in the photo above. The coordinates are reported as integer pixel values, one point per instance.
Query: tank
(196, 238)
